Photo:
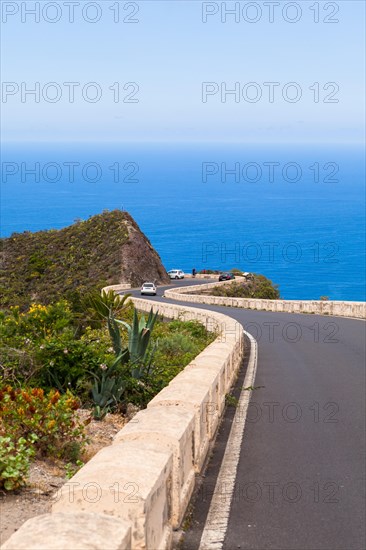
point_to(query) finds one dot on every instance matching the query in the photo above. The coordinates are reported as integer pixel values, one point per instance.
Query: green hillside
(46, 265)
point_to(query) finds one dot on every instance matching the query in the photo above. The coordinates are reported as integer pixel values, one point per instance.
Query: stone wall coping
(339, 308)
(76, 531)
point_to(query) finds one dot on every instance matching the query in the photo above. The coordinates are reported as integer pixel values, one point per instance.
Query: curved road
(300, 481)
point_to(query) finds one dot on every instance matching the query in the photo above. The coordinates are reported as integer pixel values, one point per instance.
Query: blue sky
(169, 53)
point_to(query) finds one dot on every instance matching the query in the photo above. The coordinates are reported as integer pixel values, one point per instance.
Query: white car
(149, 289)
(176, 274)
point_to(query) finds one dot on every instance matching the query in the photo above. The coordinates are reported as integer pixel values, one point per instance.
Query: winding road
(300, 480)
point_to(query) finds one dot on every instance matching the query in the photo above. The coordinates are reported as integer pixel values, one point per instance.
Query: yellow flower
(37, 308)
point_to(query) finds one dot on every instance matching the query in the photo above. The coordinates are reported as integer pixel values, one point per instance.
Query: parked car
(148, 289)
(226, 277)
(176, 274)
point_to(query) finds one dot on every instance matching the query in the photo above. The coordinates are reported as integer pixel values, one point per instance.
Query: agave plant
(120, 352)
(107, 390)
(109, 387)
(104, 306)
(105, 303)
(139, 334)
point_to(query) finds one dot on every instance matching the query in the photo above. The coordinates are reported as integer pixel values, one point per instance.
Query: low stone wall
(117, 288)
(202, 276)
(342, 309)
(71, 531)
(133, 494)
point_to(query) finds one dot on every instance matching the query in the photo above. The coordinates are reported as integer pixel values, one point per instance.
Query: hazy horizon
(184, 72)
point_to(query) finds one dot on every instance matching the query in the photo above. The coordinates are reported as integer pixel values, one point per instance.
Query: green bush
(236, 271)
(257, 287)
(45, 347)
(176, 343)
(52, 347)
(14, 461)
(65, 361)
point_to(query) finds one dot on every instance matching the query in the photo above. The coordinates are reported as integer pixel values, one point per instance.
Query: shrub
(176, 343)
(45, 347)
(50, 417)
(64, 361)
(14, 461)
(193, 329)
(38, 322)
(258, 287)
(106, 366)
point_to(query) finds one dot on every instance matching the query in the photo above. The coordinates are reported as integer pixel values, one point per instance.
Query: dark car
(226, 277)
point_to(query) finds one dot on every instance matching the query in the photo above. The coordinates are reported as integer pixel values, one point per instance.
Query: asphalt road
(301, 476)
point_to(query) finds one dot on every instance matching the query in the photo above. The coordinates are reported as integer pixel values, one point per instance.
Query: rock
(131, 411)
(140, 261)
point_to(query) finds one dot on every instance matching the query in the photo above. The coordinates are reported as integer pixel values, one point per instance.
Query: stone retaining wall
(202, 276)
(336, 308)
(133, 494)
(117, 288)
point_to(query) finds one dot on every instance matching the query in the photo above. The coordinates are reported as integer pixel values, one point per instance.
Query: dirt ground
(46, 477)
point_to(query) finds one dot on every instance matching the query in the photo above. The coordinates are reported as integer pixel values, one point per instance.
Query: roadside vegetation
(256, 286)
(58, 360)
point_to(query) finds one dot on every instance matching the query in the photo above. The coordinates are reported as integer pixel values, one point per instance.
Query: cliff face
(106, 249)
(139, 260)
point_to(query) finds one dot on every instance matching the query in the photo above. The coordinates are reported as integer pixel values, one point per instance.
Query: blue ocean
(294, 213)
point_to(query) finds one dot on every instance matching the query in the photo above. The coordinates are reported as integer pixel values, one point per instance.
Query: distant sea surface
(295, 214)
